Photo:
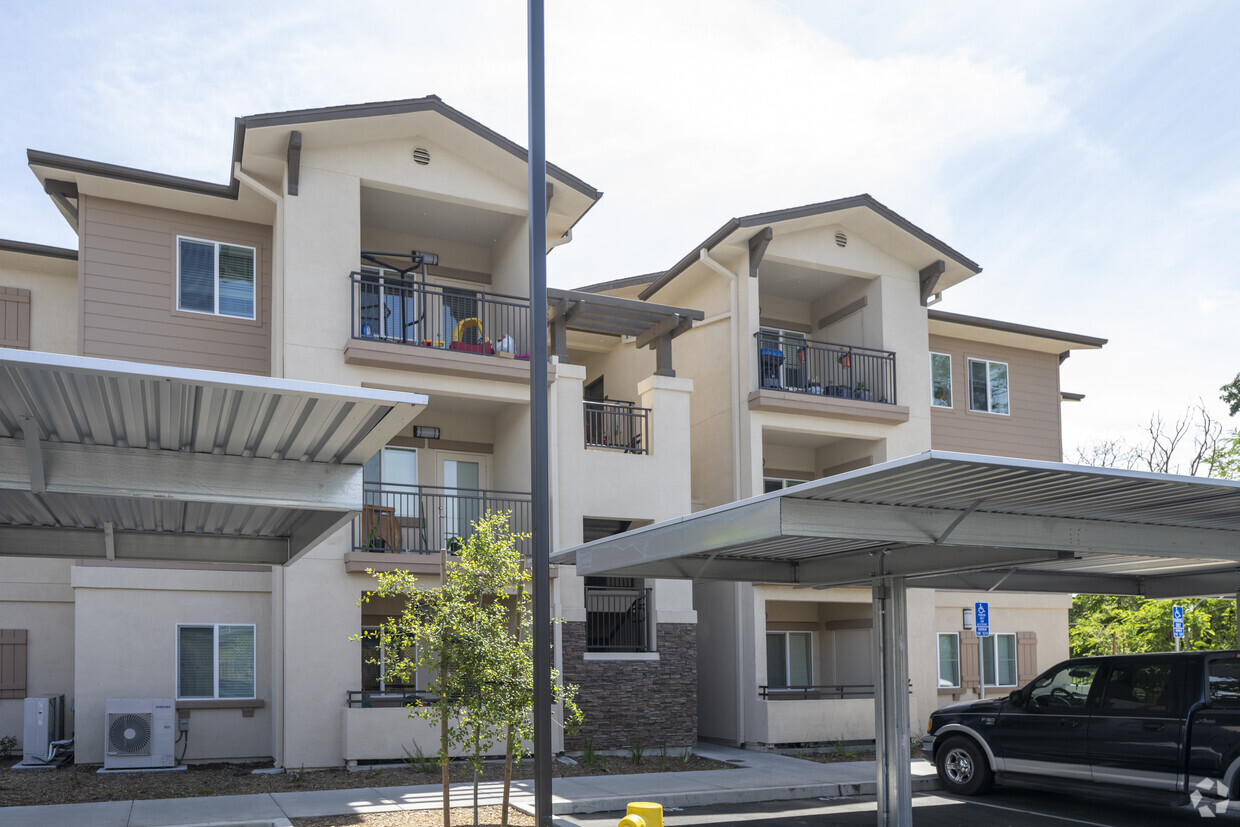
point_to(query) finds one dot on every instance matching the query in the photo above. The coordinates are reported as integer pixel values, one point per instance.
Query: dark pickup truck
(1166, 722)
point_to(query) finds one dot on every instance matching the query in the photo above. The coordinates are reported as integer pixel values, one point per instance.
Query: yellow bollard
(632, 821)
(650, 815)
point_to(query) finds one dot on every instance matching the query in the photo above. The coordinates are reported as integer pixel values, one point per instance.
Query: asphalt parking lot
(1007, 807)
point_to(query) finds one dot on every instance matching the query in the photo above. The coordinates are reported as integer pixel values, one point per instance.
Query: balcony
(407, 324)
(617, 425)
(816, 693)
(425, 519)
(802, 376)
(617, 619)
(800, 365)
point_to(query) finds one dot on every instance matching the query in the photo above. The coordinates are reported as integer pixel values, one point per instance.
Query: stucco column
(667, 399)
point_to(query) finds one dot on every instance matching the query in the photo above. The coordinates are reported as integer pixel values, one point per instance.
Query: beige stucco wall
(35, 595)
(53, 286)
(1046, 615)
(125, 645)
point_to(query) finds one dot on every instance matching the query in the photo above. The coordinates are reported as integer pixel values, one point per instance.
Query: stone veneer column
(653, 701)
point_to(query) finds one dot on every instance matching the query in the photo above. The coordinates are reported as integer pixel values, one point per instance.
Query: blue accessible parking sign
(981, 619)
(1177, 621)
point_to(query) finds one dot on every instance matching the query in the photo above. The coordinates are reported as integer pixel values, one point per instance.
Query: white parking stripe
(967, 800)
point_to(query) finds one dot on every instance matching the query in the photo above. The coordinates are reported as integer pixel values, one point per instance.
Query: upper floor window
(988, 386)
(217, 278)
(941, 380)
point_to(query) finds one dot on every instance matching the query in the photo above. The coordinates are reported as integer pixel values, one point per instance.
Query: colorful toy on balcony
(481, 344)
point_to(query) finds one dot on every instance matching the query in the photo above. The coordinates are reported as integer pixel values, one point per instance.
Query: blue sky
(1084, 153)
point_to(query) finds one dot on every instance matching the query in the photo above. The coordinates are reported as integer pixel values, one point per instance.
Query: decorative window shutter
(1026, 657)
(12, 663)
(970, 670)
(15, 317)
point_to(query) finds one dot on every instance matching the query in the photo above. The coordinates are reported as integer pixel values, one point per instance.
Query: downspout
(564, 239)
(734, 378)
(277, 267)
(278, 626)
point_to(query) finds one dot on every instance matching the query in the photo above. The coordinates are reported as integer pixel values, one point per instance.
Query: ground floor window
(949, 660)
(375, 657)
(999, 659)
(789, 659)
(215, 661)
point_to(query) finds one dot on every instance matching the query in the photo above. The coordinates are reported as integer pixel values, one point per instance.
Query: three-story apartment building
(818, 355)
(381, 248)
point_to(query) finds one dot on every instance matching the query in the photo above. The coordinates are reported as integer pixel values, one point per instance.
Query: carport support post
(891, 715)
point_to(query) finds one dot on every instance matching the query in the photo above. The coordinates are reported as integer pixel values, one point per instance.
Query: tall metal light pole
(539, 464)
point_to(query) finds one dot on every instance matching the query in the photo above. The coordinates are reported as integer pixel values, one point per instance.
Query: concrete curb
(700, 798)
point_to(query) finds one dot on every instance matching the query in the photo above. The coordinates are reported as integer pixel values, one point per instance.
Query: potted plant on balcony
(861, 392)
(374, 540)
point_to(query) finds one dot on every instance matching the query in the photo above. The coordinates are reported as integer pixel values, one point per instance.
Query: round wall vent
(421, 155)
(841, 240)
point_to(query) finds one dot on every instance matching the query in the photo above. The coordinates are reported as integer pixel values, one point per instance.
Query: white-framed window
(941, 380)
(770, 484)
(216, 278)
(215, 661)
(949, 660)
(789, 659)
(390, 478)
(999, 659)
(375, 654)
(988, 386)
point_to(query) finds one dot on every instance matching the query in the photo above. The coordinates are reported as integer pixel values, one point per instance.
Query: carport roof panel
(86, 401)
(1095, 521)
(133, 460)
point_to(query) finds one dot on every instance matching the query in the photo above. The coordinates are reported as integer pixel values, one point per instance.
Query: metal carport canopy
(122, 460)
(956, 521)
(942, 520)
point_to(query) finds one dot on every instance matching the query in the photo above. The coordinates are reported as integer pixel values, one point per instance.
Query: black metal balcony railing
(837, 692)
(790, 363)
(615, 424)
(392, 309)
(427, 518)
(617, 619)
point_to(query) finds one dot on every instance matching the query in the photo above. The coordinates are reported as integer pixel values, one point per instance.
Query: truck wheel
(962, 767)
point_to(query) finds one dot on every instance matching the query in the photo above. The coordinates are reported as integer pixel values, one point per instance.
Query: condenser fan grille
(129, 733)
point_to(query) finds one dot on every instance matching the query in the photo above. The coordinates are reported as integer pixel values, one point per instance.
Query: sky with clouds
(1084, 153)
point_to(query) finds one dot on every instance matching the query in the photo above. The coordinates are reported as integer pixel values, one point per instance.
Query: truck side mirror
(1016, 697)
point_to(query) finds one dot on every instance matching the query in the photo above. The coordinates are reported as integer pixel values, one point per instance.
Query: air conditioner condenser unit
(139, 734)
(43, 723)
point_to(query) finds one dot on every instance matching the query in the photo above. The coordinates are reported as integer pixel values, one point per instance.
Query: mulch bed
(75, 784)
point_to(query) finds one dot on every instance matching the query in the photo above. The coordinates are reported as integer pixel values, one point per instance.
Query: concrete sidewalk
(758, 777)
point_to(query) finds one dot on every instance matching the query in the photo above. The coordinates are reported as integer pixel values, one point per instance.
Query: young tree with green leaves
(470, 634)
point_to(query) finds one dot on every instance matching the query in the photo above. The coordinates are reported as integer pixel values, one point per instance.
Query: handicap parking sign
(981, 619)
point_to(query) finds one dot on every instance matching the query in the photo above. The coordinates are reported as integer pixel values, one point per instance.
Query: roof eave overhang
(1051, 341)
(744, 226)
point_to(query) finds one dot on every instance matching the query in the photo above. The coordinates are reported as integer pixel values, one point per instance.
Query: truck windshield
(1065, 688)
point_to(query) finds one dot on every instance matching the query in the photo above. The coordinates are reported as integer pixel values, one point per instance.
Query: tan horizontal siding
(128, 290)
(1030, 431)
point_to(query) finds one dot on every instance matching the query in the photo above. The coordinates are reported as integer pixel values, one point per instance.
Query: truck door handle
(1152, 726)
(1070, 723)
